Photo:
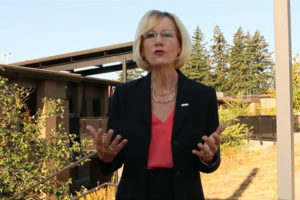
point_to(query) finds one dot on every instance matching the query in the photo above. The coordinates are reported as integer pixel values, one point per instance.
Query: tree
(260, 65)
(238, 79)
(296, 83)
(197, 67)
(25, 156)
(251, 67)
(219, 61)
(133, 74)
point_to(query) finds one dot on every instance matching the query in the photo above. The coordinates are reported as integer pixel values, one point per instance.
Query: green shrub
(235, 133)
(25, 156)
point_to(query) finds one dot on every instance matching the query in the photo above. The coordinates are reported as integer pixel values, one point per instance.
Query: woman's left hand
(211, 145)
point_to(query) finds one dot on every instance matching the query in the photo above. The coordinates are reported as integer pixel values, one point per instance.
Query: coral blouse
(160, 150)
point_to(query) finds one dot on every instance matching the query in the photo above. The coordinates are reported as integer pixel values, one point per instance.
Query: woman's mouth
(159, 52)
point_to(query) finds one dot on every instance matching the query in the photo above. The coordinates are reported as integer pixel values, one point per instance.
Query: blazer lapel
(144, 101)
(183, 102)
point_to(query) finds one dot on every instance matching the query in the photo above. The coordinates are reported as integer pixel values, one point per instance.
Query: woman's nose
(158, 39)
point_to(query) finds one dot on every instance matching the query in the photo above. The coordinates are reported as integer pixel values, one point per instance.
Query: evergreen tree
(238, 78)
(260, 65)
(219, 60)
(133, 74)
(197, 67)
(251, 67)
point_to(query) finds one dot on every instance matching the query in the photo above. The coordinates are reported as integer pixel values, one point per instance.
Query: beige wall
(268, 106)
(267, 103)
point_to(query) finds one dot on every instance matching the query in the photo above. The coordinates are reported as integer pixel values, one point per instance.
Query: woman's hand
(211, 145)
(106, 149)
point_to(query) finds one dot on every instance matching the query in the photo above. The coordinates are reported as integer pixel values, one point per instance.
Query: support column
(124, 70)
(284, 103)
(46, 89)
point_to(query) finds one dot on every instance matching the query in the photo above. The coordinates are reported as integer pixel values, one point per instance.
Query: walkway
(297, 174)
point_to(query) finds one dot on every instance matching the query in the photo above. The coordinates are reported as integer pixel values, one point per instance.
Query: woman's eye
(150, 35)
(167, 35)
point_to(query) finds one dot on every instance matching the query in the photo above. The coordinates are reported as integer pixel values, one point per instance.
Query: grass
(245, 175)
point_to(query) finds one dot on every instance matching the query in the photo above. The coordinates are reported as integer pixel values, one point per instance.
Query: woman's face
(160, 45)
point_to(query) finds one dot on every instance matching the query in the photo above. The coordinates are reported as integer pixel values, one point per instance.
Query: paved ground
(297, 185)
(297, 174)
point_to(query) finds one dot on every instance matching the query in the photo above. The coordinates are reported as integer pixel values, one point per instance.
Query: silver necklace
(169, 91)
(169, 99)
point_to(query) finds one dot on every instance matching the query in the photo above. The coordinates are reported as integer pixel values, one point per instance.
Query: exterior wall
(252, 107)
(268, 106)
(268, 103)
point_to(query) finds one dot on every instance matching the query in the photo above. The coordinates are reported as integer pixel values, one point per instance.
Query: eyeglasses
(152, 35)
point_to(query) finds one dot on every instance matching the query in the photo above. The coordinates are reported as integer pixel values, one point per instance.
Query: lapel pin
(184, 104)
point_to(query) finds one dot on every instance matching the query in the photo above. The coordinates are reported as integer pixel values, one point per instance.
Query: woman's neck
(164, 79)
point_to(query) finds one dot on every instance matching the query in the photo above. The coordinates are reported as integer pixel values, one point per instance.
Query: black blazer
(130, 116)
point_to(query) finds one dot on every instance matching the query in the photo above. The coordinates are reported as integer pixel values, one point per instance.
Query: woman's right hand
(106, 149)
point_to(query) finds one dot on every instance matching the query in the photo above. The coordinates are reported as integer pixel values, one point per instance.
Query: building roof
(27, 72)
(97, 57)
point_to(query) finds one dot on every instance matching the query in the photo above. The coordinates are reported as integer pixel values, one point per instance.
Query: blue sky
(32, 29)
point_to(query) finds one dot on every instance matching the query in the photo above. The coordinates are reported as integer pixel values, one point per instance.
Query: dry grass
(105, 193)
(245, 175)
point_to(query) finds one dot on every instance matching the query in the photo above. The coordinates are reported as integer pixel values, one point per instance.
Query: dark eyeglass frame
(152, 35)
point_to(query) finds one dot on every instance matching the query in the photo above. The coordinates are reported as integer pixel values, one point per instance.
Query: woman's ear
(179, 52)
(142, 54)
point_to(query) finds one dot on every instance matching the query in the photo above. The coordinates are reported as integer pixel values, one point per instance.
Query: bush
(235, 133)
(25, 156)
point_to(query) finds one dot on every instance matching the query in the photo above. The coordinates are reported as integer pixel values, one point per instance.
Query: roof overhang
(17, 72)
(96, 57)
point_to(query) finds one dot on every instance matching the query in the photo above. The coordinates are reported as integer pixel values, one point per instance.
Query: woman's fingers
(220, 129)
(106, 148)
(217, 140)
(120, 145)
(108, 137)
(96, 135)
(211, 144)
(92, 131)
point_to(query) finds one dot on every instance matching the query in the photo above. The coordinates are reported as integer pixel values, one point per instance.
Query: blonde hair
(148, 22)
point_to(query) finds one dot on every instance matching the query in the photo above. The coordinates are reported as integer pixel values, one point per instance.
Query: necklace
(164, 94)
(169, 99)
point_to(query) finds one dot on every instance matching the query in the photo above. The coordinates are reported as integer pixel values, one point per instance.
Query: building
(86, 99)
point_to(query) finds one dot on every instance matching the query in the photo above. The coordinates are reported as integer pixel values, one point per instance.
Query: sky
(31, 29)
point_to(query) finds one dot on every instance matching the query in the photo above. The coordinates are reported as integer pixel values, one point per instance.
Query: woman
(162, 127)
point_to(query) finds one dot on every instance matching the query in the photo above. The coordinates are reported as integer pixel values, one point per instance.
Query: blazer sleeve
(212, 124)
(113, 123)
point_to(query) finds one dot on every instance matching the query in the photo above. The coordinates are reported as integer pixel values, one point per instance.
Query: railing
(263, 127)
(94, 190)
(53, 175)
(97, 122)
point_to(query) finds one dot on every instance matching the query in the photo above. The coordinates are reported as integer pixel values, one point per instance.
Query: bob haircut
(147, 23)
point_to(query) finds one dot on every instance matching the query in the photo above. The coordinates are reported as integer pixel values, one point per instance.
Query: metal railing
(95, 189)
(53, 175)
